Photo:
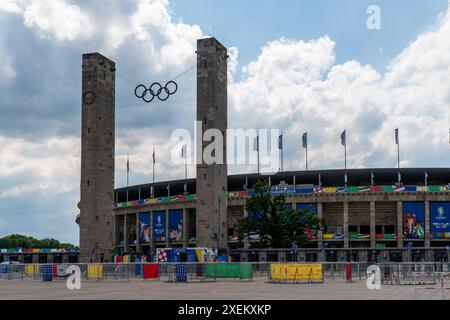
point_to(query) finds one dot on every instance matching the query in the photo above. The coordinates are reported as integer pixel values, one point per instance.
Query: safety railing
(391, 273)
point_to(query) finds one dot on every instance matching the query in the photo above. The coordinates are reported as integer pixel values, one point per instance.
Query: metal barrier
(391, 273)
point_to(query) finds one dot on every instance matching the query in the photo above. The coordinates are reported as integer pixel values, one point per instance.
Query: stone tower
(97, 159)
(211, 224)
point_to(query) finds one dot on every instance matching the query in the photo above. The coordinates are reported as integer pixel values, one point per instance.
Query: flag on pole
(396, 137)
(256, 144)
(280, 142)
(344, 138)
(305, 140)
(128, 163)
(154, 160)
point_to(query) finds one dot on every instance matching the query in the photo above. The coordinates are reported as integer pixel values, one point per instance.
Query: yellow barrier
(296, 272)
(31, 269)
(95, 272)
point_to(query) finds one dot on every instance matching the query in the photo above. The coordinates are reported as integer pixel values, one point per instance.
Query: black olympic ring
(156, 90)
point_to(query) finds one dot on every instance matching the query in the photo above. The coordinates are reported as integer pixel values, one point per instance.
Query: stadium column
(373, 240)
(212, 177)
(427, 224)
(185, 227)
(321, 254)
(399, 224)
(116, 226)
(125, 233)
(167, 229)
(346, 240)
(138, 244)
(152, 240)
(246, 239)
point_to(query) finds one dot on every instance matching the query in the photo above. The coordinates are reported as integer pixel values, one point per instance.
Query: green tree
(20, 241)
(273, 223)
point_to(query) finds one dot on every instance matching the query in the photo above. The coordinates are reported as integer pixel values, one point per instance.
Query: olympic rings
(156, 90)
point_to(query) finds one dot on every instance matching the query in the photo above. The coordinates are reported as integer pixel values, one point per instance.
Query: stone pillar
(373, 240)
(320, 232)
(345, 226)
(49, 258)
(125, 233)
(20, 258)
(185, 227)
(65, 258)
(246, 239)
(116, 226)
(138, 244)
(6, 258)
(167, 229)
(399, 224)
(35, 258)
(427, 225)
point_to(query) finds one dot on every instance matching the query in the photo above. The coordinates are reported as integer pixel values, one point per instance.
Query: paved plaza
(258, 289)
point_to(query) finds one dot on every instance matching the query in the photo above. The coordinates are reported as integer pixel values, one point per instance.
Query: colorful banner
(144, 227)
(413, 220)
(440, 219)
(159, 226)
(240, 194)
(176, 225)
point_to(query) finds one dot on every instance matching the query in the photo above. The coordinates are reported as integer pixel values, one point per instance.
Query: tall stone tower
(211, 224)
(97, 159)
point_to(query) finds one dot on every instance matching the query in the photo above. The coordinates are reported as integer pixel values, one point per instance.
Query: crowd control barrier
(151, 271)
(297, 273)
(242, 271)
(95, 272)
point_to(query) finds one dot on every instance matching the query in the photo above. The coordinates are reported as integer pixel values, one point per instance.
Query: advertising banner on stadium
(144, 227)
(176, 225)
(440, 219)
(159, 225)
(413, 220)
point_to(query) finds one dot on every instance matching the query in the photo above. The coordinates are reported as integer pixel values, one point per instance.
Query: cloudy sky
(294, 65)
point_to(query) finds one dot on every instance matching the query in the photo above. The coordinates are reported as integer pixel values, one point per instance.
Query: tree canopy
(20, 241)
(272, 223)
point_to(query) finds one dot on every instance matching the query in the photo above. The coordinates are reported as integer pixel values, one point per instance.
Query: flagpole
(128, 169)
(257, 149)
(306, 157)
(153, 171)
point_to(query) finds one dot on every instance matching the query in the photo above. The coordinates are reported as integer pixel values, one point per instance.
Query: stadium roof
(328, 178)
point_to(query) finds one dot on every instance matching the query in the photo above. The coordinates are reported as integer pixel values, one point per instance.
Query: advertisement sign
(439, 218)
(176, 225)
(144, 227)
(413, 220)
(159, 225)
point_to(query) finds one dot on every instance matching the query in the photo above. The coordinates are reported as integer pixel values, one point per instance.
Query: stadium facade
(371, 219)
(369, 215)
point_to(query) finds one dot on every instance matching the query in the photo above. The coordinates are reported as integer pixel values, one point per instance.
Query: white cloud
(51, 18)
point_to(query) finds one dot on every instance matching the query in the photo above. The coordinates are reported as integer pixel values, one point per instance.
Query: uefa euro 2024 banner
(439, 218)
(159, 225)
(144, 227)
(413, 220)
(176, 225)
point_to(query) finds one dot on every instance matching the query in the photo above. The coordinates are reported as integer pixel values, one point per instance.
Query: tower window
(88, 183)
(204, 176)
(88, 130)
